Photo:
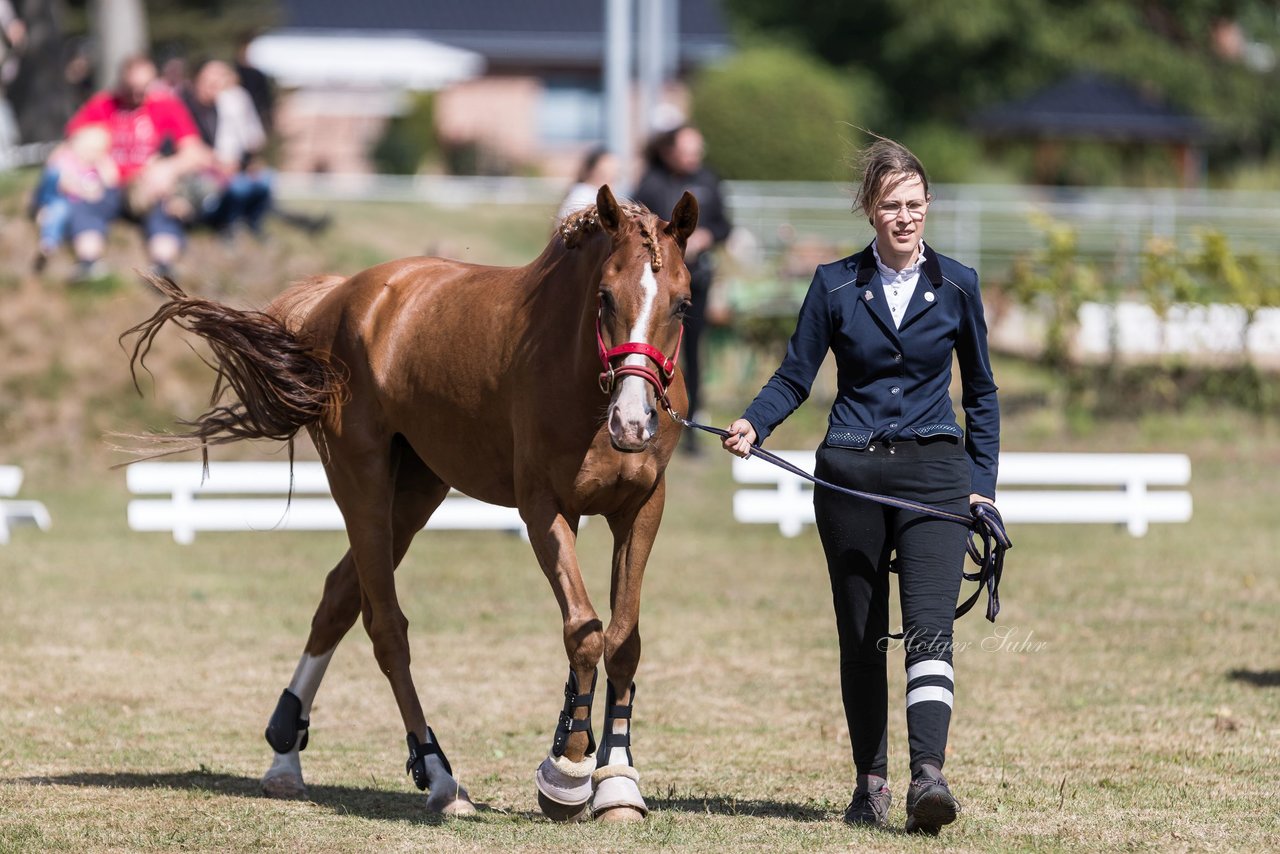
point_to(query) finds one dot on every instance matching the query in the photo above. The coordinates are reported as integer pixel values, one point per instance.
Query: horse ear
(684, 219)
(607, 209)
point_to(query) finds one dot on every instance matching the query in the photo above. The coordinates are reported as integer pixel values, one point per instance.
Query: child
(80, 169)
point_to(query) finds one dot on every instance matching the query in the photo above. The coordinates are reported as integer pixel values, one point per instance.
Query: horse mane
(579, 225)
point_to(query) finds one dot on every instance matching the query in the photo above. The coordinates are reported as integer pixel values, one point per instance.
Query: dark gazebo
(1099, 109)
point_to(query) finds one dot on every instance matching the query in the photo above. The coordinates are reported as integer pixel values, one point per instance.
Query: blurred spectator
(13, 38)
(79, 170)
(78, 72)
(674, 164)
(598, 168)
(256, 83)
(262, 92)
(173, 73)
(229, 124)
(154, 144)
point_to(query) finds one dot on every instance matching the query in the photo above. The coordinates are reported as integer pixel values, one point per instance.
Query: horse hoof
(617, 795)
(557, 811)
(455, 804)
(458, 808)
(564, 787)
(620, 815)
(284, 786)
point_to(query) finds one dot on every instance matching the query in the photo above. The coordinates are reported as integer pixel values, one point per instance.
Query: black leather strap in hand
(984, 523)
(987, 528)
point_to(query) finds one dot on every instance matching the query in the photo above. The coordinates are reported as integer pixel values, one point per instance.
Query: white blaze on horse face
(632, 420)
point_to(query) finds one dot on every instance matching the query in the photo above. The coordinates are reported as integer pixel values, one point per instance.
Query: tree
(121, 26)
(39, 95)
(942, 61)
(191, 28)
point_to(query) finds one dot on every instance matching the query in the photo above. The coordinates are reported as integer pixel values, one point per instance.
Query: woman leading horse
(422, 375)
(894, 315)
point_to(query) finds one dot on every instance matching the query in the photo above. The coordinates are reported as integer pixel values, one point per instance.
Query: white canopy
(396, 60)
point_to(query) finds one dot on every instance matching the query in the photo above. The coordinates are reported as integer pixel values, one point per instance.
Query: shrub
(1056, 280)
(771, 113)
(950, 155)
(409, 139)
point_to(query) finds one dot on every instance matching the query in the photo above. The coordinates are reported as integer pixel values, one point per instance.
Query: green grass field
(1129, 698)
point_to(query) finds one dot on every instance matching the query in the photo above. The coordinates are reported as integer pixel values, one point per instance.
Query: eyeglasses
(914, 209)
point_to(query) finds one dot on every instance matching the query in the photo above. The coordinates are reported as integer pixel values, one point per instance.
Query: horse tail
(294, 305)
(281, 380)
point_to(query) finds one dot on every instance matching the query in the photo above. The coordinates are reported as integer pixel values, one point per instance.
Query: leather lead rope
(984, 524)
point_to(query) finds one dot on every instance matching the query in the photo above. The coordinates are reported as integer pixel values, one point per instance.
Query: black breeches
(694, 322)
(859, 538)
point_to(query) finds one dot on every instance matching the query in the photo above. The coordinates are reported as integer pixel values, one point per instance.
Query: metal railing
(987, 226)
(27, 154)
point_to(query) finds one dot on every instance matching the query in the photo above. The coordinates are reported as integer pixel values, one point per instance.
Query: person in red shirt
(154, 143)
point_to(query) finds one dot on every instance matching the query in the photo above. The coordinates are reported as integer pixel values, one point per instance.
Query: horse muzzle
(632, 423)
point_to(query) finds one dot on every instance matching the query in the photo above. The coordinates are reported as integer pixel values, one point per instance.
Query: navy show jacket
(892, 383)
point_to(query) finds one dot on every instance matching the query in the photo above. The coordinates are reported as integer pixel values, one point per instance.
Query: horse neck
(572, 277)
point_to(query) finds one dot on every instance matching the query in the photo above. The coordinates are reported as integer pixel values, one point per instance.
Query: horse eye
(684, 308)
(606, 300)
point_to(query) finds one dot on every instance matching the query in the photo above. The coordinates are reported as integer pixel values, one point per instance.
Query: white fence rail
(13, 513)
(1027, 490)
(227, 500)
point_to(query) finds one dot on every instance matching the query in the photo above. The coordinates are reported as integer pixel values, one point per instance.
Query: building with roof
(518, 83)
(1091, 107)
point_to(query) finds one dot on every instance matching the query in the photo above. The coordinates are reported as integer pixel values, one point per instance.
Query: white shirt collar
(908, 271)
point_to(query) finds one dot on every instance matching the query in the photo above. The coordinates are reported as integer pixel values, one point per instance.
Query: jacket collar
(868, 278)
(865, 264)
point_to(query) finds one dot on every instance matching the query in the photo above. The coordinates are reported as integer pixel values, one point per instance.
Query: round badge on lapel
(928, 296)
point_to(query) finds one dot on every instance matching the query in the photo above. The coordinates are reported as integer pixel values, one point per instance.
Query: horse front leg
(564, 777)
(617, 782)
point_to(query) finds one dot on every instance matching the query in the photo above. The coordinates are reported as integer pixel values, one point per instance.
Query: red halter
(660, 379)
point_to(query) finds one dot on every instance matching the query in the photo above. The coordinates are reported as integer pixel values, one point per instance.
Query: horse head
(644, 295)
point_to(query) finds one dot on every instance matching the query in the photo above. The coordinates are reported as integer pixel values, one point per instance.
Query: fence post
(184, 513)
(791, 496)
(1136, 492)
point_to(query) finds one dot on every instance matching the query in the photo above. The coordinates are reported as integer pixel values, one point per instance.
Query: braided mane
(580, 224)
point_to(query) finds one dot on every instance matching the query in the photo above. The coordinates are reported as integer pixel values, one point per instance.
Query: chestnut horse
(423, 374)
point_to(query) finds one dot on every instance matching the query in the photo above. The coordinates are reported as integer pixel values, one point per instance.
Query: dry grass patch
(1130, 700)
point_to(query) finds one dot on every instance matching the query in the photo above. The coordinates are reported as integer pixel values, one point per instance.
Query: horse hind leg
(369, 478)
(418, 493)
(287, 730)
